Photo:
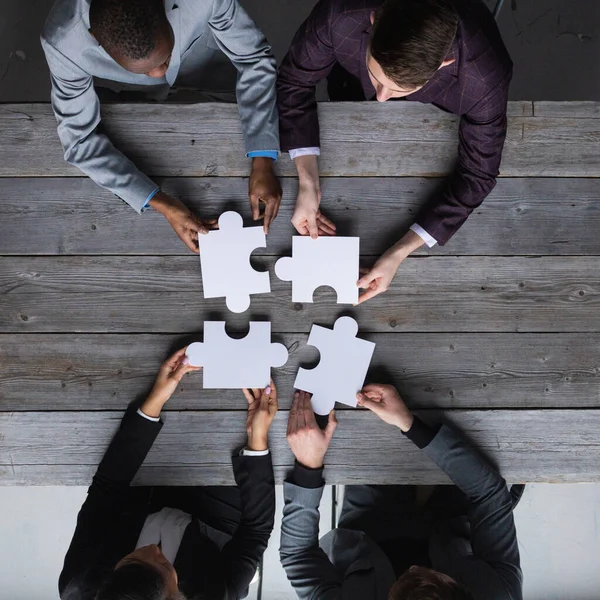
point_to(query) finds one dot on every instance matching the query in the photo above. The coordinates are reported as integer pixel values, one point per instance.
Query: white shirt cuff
(153, 419)
(429, 240)
(305, 152)
(246, 452)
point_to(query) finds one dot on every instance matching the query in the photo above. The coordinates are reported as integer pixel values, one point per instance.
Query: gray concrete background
(555, 45)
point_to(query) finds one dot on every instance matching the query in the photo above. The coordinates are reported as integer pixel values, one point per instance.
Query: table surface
(497, 332)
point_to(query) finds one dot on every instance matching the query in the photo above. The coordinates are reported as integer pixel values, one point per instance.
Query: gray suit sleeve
(77, 111)
(246, 47)
(491, 567)
(308, 568)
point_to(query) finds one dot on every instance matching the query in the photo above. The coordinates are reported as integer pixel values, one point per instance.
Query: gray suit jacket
(347, 565)
(201, 29)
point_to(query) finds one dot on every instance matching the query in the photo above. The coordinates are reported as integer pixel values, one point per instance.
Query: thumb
(331, 425)
(372, 405)
(365, 280)
(183, 368)
(313, 228)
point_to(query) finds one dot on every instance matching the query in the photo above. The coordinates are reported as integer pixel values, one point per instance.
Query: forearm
(307, 567)
(127, 451)
(308, 172)
(245, 45)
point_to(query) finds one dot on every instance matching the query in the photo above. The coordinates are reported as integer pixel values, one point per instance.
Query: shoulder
(484, 58)
(64, 16)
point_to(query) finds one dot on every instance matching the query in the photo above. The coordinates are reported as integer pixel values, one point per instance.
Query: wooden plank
(430, 294)
(196, 447)
(521, 216)
(60, 372)
(573, 110)
(422, 144)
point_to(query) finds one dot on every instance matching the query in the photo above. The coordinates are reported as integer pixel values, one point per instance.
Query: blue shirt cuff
(150, 196)
(266, 153)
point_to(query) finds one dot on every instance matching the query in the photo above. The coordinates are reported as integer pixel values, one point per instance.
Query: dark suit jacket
(475, 87)
(112, 517)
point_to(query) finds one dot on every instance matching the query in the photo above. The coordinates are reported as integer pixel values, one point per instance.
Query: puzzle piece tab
(331, 261)
(233, 364)
(342, 368)
(225, 262)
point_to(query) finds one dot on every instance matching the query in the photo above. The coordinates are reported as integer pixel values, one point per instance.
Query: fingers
(365, 402)
(183, 369)
(326, 224)
(189, 241)
(175, 358)
(373, 388)
(309, 413)
(269, 213)
(371, 293)
(368, 278)
(293, 418)
(211, 224)
(248, 395)
(254, 201)
(311, 225)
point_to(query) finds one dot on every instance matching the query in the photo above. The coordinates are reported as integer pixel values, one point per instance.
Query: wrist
(308, 170)
(262, 163)
(406, 422)
(257, 444)
(153, 406)
(408, 243)
(311, 463)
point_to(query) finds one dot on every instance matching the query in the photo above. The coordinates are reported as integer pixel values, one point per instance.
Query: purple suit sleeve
(481, 139)
(308, 61)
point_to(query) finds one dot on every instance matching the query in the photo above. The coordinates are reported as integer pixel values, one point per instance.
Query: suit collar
(173, 17)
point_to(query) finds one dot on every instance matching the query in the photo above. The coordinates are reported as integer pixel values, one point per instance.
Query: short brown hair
(424, 584)
(411, 39)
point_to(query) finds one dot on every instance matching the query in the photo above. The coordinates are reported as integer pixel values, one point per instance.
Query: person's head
(142, 575)
(135, 33)
(419, 583)
(409, 42)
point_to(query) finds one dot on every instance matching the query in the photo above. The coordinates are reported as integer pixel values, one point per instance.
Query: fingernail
(185, 361)
(268, 390)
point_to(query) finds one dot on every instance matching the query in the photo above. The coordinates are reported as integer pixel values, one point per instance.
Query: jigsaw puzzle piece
(343, 365)
(234, 364)
(225, 262)
(330, 261)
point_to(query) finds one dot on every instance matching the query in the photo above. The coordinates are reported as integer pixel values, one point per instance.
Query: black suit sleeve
(241, 555)
(106, 522)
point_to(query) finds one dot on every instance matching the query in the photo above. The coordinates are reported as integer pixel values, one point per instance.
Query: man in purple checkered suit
(448, 53)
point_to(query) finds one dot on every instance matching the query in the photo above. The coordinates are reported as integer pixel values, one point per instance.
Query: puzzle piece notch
(344, 362)
(225, 262)
(330, 261)
(230, 363)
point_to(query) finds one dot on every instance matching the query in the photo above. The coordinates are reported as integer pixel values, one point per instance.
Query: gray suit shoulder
(64, 16)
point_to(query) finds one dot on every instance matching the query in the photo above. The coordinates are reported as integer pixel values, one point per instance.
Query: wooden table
(498, 332)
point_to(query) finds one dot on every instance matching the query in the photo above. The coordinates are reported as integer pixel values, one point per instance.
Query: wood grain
(62, 372)
(521, 216)
(430, 294)
(571, 110)
(205, 140)
(196, 447)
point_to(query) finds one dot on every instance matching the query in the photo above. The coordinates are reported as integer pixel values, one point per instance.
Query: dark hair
(424, 584)
(134, 581)
(411, 39)
(128, 27)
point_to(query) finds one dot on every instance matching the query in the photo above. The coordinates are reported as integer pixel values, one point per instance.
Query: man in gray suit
(154, 46)
(385, 545)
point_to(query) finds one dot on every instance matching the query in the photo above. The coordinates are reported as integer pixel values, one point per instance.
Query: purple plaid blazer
(474, 86)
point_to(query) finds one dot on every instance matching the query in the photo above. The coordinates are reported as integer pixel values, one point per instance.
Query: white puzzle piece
(233, 364)
(331, 261)
(342, 368)
(225, 262)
